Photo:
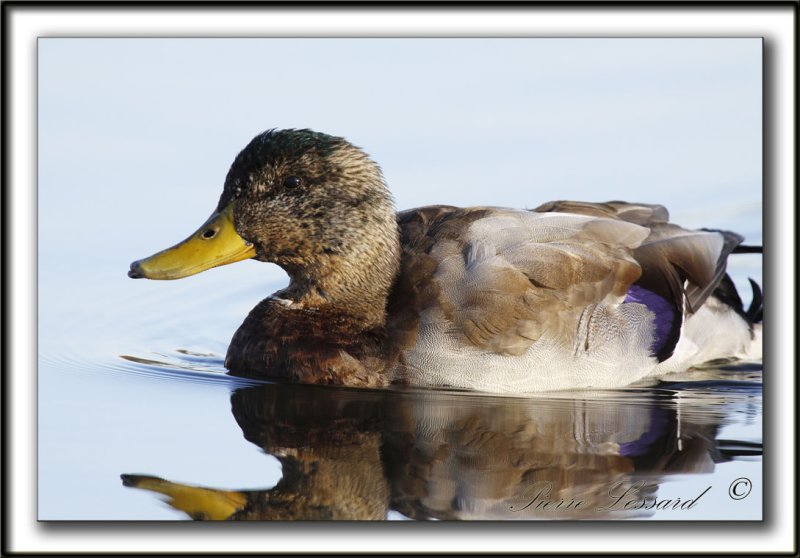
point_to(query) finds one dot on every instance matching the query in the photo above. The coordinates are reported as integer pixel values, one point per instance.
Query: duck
(569, 295)
(352, 455)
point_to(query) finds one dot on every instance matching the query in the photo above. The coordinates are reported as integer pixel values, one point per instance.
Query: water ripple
(182, 365)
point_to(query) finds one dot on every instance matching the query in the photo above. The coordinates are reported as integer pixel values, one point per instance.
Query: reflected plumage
(359, 455)
(570, 295)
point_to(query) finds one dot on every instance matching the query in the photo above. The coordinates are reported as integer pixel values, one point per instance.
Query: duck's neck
(353, 279)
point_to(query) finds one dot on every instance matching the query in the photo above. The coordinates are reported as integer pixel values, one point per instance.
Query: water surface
(134, 139)
(160, 431)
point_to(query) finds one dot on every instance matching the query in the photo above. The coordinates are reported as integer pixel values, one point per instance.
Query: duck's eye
(292, 181)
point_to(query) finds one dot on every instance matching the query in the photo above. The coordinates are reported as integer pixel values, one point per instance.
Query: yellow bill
(195, 501)
(215, 243)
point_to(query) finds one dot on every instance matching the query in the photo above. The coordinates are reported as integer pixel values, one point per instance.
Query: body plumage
(570, 295)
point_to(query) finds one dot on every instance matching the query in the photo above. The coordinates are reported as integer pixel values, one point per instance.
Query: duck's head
(313, 204)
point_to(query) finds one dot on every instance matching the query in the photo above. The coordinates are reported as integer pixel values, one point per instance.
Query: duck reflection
(351, 454)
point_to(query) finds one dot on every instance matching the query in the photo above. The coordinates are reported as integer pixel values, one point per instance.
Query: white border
(28, 23)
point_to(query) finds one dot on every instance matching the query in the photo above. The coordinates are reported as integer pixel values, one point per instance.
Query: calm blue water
(141, 390)
(135, 138)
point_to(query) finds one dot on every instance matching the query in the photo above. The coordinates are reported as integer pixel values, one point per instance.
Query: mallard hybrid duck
(351, 455)
(570, 295)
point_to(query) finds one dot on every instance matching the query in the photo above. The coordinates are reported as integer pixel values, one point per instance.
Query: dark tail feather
(726, 293)
(755, 313)
(747, 249)
(739, 448)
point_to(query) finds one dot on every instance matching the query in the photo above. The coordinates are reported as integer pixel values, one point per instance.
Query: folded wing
(503, 278)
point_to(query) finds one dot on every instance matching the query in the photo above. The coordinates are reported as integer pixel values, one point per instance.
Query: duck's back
(571, 295)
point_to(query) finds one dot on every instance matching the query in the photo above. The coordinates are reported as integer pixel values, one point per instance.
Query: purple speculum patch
(665, 313)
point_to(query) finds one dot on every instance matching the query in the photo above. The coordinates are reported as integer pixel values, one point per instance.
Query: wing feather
(682, 266)
(506, 277)
(503, 278)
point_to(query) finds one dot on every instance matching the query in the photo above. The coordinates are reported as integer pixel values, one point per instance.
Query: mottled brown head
(313, 204)
(299, 194)
(318, 207)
